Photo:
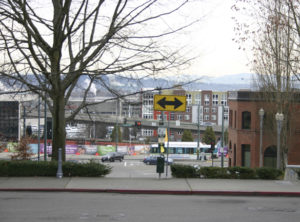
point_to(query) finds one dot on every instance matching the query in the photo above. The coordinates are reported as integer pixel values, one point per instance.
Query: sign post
(171, 103)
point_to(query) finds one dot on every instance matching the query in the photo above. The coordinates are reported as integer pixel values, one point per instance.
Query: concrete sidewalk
(153, 186)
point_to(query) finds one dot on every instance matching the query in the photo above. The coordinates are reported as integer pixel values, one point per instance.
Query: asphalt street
(64, 207)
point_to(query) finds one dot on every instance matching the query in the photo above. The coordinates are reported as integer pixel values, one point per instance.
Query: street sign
(169, 103)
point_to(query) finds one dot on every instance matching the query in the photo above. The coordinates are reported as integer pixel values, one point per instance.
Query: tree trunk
(59, 127)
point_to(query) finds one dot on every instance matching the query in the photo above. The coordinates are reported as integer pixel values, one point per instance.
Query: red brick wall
(238, 136)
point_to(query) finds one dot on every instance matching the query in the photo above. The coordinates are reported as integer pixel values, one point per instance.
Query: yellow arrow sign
(170, 103)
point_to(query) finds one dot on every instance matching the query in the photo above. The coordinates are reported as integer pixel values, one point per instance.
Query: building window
(198, 99)
(206, 99)
(215, 99)
(206, 117)
(230, 118)
(179, 117)
(147, 132)
(235, 119)
(246, 155)
(224, 99)
(188, 109)
(206, 110)
(246, 120)
(213, 110)
(147, 116)
(213, 117)
(187, 117)
(172, 116)
(188, 99)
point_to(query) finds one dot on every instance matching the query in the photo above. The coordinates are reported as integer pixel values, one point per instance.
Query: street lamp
(261, 113)
(279, 118)
(198, 125)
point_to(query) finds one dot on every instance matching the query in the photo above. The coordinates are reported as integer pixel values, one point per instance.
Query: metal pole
(279, 118)
(39, 128)
(59, 173)
(278, 145)
(198, 140)
(168, 134)
(222, 139)
(45, 130)
(24, 120)
(261, 115)
(117, 124)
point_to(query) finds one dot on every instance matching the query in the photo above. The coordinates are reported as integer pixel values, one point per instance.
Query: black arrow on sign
(163, 103)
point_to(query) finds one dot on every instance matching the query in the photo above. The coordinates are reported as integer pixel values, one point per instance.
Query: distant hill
(122, 84)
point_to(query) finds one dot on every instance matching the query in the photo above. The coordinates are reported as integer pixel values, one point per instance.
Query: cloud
(93, 88)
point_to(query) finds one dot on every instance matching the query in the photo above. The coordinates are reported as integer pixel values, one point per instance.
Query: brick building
(244, 132)
(204, 107)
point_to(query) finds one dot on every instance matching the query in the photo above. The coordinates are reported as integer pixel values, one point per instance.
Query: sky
(219, 55)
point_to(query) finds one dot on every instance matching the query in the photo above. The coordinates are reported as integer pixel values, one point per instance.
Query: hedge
(183, 171)
(27, 168)
(186, 171)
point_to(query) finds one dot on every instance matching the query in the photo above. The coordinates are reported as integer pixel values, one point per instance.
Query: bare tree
(275, 47)
(47, 46)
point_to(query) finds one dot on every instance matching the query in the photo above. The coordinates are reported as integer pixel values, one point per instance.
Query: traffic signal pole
(168, 136)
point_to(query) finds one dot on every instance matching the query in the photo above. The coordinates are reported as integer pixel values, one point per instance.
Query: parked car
(152, 160)
(112, 156)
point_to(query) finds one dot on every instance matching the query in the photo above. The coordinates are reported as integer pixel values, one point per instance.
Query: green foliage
(213, 172)
(209, 136)
(186, 171)
(114, 132)
(29, 168)
(268, 173)
(187, 136)
(183, 171)
(242, 173)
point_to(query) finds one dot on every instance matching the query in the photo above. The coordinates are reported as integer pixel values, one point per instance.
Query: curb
(163, 192)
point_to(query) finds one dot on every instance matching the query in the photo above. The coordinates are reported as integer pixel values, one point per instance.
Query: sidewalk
(153, 186)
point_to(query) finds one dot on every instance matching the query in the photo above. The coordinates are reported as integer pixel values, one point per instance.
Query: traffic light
(138, 124)
(161, 148)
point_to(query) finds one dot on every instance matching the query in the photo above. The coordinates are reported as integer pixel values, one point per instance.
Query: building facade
(244, 132)
(206, 108)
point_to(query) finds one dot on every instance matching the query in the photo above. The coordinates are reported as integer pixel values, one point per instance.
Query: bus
(181, 150)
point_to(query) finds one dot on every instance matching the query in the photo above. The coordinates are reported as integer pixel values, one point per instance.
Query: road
(64, 207)
(134, 169)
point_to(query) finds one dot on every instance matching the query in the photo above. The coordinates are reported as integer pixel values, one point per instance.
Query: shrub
(242, 173)
(213, 172)
(268, 173)
(90, 169)
(23, 150)
(186, 171)
(183, 171)
(42, 168)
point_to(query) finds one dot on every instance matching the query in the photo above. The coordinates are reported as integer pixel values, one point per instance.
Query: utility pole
(39, 128)
(198, 141)
(222, 139)
(45, 130)
(24, 120)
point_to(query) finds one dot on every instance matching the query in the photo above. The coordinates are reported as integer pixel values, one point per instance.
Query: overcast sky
(219, 55)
